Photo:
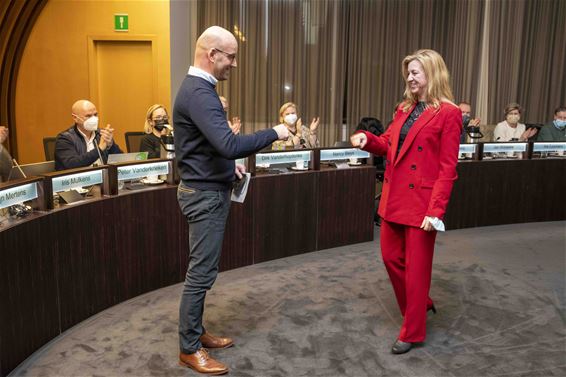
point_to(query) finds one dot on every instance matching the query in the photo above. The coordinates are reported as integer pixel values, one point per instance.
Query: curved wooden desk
(62, 266)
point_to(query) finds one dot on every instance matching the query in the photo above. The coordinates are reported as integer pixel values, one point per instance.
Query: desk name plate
(342, 154)
(72, 181)
(549, 147)
(142, 170)
(504, 147)
(17, 195)
(468, 148)
(282, 157)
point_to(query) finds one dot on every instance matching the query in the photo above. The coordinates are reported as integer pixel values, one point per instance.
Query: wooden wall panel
(17, 19)
(29, 317)
(345, 206)
(507, 192)
(285, 215)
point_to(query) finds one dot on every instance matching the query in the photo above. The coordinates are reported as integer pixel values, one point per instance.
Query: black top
(415, 114)
(205, 147)
(152, 145)
(70, 150)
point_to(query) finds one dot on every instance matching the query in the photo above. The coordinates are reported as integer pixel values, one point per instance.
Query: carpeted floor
(499, 291)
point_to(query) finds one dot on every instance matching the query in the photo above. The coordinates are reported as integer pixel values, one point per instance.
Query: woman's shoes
(433, 308)
(401, 347)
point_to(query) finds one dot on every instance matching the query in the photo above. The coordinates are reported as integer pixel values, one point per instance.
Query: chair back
(49, 148)
(133, 140)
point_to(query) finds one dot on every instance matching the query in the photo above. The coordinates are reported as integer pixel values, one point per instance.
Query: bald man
(84, 143)
(206, 148)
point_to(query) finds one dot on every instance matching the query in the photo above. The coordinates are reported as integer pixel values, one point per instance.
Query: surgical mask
(91, 124)
(290, 119)
(513, 119)
(560, 124)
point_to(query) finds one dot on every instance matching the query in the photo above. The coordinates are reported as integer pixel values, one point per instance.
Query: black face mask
(465, 121)
(160, 125)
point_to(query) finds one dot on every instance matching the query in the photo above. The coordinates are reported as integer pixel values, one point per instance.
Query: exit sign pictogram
(121, 22)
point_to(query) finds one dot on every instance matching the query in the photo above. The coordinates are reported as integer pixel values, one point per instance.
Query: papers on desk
(240, 188)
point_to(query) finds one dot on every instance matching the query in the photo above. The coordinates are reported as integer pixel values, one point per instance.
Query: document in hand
(240, 188)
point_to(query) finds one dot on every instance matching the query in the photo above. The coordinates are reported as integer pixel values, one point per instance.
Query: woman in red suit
(421, 148)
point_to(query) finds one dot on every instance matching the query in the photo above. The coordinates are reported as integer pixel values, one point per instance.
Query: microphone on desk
(19, 168)
(96, 139)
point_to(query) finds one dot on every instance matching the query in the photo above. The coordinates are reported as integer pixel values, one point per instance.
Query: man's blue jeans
(206, 213)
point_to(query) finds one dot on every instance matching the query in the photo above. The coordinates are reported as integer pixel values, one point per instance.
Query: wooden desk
(496, 192)
(62, 266)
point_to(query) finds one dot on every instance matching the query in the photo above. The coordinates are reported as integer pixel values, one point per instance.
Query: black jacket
(152, 145)
(70, 150)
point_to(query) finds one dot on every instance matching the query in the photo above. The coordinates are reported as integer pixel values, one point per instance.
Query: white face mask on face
(91, 124)
(513, 119)
(290, 119)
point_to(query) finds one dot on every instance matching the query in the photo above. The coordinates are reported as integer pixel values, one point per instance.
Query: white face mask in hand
(91, 124)
(290, 119)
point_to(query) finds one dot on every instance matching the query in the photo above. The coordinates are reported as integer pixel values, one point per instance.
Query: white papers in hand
(240, 188)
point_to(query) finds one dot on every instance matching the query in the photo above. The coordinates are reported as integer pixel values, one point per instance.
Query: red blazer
(419, 181)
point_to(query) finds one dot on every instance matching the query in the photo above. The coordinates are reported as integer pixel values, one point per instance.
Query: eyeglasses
(160, 119)
(231, 57)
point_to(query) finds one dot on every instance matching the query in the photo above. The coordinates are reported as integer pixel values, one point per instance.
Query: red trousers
(407, 254)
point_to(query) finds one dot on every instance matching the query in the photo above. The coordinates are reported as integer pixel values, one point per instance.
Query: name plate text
(142, 170)
(281, 157)
(468, 148)
(504, 147)
(549, 147)
(17, 195)
(342, 154)
(72, 181)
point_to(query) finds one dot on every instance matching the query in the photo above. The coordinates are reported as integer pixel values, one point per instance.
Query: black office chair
(133, 141)
(49, 148)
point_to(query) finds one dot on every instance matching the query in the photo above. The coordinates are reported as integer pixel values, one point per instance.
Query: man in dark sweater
(84, 143)
(205, 148)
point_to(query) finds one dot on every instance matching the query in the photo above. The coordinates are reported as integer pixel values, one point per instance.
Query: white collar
(194, 71)
(87, 140)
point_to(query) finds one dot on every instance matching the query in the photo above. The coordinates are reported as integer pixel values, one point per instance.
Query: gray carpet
(500, 294)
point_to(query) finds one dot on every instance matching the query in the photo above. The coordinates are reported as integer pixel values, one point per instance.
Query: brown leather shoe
(201, 362)
(210, 341)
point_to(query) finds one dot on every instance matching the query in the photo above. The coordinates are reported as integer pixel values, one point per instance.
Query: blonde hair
(285, 107)
(437, 75)
(513, 106)
(147, 127)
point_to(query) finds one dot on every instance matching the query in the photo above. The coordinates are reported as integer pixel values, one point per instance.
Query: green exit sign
(121, 22)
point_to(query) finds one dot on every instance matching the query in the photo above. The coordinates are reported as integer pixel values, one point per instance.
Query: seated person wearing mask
(84, 143)
(156, 120)
(510, 129)
(5, 158)
(299, 136)
(556, 130)
(467, 119)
